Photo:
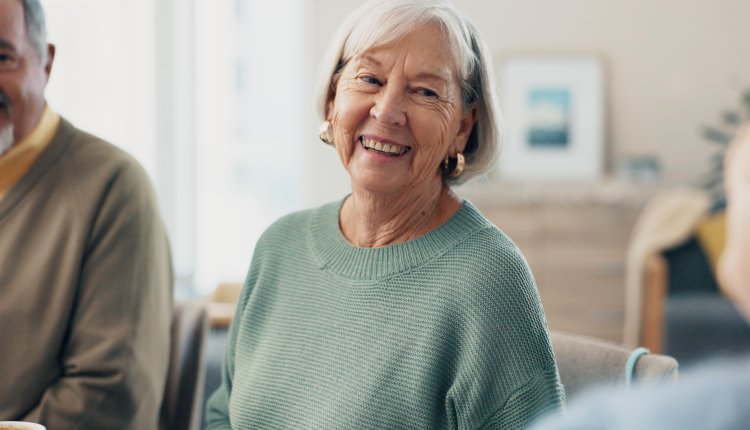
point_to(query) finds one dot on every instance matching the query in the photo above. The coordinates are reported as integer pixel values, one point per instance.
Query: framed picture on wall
(554, 112)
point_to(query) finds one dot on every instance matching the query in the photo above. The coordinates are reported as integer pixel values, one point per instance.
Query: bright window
(213, 98)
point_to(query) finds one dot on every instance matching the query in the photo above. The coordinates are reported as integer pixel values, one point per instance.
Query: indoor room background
(215, 98)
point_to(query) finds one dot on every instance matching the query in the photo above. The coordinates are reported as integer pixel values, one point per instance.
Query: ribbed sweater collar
(334, 253)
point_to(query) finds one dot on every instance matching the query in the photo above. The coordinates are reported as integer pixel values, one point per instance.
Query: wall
(671, 67)
(81, 85)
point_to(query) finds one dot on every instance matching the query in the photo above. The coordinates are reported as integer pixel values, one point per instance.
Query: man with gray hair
(85, 270)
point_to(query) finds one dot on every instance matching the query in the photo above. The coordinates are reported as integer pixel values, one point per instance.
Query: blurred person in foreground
(85, 271)
(400, 306)
(713, 396)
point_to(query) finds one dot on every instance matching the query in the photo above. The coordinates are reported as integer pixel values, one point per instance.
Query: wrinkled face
(397, 112)
(22, 75)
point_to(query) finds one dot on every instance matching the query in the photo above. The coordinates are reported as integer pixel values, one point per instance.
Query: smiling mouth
(384, 148)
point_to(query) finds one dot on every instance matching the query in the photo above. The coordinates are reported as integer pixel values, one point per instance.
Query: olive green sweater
(85, 290)
(442, 332)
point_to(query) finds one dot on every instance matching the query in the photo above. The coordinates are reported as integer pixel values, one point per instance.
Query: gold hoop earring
(326, 132)
(453, 167)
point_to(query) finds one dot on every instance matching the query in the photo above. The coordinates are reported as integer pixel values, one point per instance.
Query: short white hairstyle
(380, 22)
(36, 27)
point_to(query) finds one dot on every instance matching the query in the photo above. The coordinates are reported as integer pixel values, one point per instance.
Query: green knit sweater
(442, 332)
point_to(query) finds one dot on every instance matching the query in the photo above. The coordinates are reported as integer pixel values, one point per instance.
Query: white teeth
(384, 147)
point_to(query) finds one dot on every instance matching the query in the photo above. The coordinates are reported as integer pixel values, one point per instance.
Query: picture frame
(553, 108)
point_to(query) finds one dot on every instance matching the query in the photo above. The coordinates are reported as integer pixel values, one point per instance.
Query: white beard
(6, 139)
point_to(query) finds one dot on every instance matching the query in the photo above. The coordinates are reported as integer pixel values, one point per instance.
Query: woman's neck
(370, 221)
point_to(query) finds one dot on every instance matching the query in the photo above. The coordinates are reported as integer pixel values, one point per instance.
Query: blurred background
(216, 101)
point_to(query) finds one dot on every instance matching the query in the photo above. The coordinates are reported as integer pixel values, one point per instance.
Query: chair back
(584, 362)
(183, 395)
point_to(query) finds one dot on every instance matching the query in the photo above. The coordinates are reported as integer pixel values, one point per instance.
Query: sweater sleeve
(217, 407)
(114, 361)
(540, 397)
(506, 374)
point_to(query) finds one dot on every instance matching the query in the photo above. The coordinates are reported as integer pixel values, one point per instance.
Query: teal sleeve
(217, 407)
(506, 373)
(542, 396)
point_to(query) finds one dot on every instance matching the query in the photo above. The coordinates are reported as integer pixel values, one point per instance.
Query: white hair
(380, 22)
(36, 27)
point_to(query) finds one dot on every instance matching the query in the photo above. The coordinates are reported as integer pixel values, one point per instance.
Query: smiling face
(23, 76)
(397, 112)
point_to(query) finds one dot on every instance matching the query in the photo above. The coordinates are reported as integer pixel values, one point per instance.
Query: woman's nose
(389, 107)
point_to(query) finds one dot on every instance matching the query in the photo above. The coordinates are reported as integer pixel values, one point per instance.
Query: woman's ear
(331, 98)
(466, 125)
(330, 105)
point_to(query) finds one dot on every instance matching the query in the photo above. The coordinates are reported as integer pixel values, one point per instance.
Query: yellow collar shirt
(19, 159)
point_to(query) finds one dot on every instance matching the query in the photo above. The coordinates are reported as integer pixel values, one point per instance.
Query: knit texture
(442, 332)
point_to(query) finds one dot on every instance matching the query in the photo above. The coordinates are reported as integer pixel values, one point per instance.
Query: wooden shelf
(576, 250)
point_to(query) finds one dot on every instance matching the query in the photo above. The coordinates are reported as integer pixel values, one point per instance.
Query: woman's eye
(371, 80)
(426, 92)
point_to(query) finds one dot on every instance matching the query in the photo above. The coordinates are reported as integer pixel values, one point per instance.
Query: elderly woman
(400, 306)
